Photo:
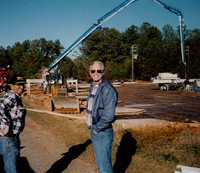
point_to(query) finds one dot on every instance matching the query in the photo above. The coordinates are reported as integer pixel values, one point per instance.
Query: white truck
(168, 81)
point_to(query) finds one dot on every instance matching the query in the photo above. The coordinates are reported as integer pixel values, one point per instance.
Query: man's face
(19, 89)
(96, 72)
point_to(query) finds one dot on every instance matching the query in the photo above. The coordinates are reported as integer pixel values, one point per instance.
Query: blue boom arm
(177, 12)
(55, 63)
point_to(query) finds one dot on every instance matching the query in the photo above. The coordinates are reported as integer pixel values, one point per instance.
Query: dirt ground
(50, 155)
(174, 106)
(168, 106)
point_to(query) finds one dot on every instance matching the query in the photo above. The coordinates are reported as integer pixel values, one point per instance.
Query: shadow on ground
(124, 154)
(24, 166)
(74, 151)
(1, 164)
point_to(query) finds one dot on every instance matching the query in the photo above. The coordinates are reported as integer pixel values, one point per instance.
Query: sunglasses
(98, 71)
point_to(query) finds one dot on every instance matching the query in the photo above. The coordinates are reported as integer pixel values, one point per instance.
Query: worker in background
(12, 122)
(187, 84)
(101, 104)
(194, 84)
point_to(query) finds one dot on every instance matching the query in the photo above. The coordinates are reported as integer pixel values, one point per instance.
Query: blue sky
(67, 20)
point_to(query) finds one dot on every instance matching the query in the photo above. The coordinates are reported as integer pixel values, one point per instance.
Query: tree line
(157, 51)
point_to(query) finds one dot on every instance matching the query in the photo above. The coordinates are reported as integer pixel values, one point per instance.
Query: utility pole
(134, 56)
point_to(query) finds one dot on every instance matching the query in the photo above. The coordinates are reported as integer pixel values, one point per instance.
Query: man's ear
(11, 86)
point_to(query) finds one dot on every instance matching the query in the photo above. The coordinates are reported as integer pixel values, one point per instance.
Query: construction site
(142, 99)
(153, 117)
(157, 125)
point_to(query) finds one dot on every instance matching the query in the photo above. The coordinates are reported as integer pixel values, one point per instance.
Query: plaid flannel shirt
(88, 119)
(12, 112)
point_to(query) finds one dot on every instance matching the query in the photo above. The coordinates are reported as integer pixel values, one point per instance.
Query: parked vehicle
(5, 74)
(168, 81)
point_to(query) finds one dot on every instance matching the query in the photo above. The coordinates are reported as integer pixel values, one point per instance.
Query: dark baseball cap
(17, 80)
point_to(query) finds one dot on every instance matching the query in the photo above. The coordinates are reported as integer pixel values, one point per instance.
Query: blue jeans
(10, 150)
(102, 144)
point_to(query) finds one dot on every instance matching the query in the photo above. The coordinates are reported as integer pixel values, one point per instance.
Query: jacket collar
(101, 83)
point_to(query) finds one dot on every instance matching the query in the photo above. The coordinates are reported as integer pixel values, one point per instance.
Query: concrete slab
(139, 105)
(127, 111)
(141, 122)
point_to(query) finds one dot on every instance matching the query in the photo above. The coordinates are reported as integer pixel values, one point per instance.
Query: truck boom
(107, 16)
(55, 63)
(177, 12)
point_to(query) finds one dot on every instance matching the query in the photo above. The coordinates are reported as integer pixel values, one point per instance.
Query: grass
(147, 150)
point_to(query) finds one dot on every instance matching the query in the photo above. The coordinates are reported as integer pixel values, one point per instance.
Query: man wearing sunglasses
(101, 104)
(12, 121)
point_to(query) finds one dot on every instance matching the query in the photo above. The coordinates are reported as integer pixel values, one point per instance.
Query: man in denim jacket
(101, 104)
(12, 122)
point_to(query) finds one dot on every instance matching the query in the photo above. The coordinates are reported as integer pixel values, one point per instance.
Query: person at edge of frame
(101, 103)
(12, 122)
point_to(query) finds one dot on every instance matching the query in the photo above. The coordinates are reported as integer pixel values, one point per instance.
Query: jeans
(10, 150)
(102, 144)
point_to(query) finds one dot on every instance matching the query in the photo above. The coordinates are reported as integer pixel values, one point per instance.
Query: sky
(67, 20)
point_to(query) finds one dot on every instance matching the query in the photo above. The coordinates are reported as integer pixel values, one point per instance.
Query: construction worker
(12, 122)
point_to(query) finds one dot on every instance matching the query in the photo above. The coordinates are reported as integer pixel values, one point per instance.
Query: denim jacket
(104, 104)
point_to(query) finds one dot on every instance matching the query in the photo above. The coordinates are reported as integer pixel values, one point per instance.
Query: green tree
(17, 57)
(66, 67)
(4, 61)
(193, 55)
(32, 63)
(171, 45)
(29, 57)
(104, 45)
(150, 52)
(129, 37)
(81, 68)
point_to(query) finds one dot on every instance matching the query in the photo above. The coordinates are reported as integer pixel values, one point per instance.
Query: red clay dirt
(175, 106)
(178, 107)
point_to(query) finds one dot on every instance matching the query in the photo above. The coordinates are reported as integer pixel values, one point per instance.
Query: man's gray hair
(99, 62)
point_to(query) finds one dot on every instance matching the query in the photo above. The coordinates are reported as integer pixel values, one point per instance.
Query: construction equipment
(58, 91)
(181, 25)
(55, 63)
(169, 81)
(4, 76)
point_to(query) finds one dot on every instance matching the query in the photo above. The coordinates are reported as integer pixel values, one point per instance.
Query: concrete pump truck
(59, 87)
